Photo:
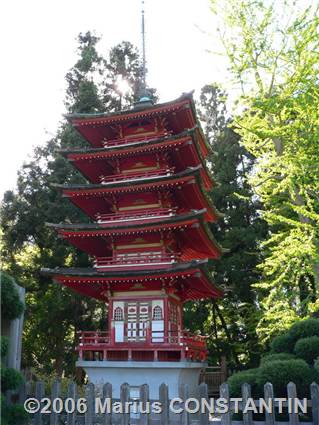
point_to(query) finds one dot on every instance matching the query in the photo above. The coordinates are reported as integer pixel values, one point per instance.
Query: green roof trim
(184, 96)
(185, 133)
(96, 226)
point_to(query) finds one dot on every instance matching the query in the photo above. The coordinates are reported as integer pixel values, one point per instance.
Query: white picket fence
(166, 416)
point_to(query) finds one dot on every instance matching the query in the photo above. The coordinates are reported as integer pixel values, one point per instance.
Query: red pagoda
(147, 197)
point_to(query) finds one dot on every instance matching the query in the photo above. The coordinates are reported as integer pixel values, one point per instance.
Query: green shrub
(281, 372)
(278, 356)
(317, 365)
(11, 305)
(308, 349)
(282, 344)
(246, 376)
(15, 415)
(304, 329)
(11, 379)
(4, 342)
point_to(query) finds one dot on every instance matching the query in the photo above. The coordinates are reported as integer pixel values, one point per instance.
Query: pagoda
(149, 241)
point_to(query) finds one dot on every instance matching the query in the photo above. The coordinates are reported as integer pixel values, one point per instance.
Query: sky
(39, 47)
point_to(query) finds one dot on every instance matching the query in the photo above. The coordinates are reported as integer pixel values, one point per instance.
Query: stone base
(137, 373)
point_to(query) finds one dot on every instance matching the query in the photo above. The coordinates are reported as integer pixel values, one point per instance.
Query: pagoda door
(118, 320)
(137, 321)
(157, 321)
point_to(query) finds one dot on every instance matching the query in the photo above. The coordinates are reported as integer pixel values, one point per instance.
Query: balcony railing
(134, 140)
(137, 175)
(150, 214)
(191, 346)
(136, 260)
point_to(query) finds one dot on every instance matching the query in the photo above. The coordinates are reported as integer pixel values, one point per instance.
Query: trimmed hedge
(246, 376)
(308, 349)
(4, 343)
(278, 356)
(11, 379)
(282, 344)
(281, 372)
(11, 305)
(13, 414)
(304, 329)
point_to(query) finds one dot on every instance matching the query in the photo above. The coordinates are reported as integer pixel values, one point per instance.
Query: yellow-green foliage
(273, 52)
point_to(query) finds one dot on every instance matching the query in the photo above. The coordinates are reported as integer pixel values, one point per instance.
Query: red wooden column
(110, 317)
(166, 320)
(180, 316)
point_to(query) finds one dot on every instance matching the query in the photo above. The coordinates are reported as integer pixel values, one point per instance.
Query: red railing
(136, 175)
(149, 337)
(93, 337)
(136, 215)
(136, 260)
(133, 140)
(191, 347)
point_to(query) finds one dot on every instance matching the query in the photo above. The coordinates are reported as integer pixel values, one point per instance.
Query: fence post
(246, 394)
(163, 398)
(39, 394)
(314, 391)
(125, 398)
(223, 367)
(24, 391)
(184, 394)
(292, 393)
(203, 394)
(89, 414)
(107, 394)
(224, 393)
(71, 417)
(144, 398)
(270, 418)
(55, 392)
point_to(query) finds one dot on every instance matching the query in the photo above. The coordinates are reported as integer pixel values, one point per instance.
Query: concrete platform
(137, 373)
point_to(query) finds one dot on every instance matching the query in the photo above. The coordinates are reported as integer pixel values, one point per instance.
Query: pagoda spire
(144, 97)
(143, 50)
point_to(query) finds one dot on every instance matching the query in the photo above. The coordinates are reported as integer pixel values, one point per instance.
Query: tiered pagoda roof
(146, 191)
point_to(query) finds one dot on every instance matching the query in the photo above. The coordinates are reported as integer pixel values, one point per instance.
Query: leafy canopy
(273, 52)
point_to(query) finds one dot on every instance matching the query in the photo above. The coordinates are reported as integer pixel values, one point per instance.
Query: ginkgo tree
(273, 52)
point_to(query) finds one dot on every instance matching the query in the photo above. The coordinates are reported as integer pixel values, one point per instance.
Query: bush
(246, 376)
(278, 356)
(308, 349)
(281, 372)
(13, 415)
(282, 344)
(4, 342)
(304, 329)
(317, 365)
(11, 379)
(11, 305)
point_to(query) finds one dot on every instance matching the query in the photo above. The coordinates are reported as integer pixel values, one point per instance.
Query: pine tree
(54, 313)
(231, 321)
(124, 64)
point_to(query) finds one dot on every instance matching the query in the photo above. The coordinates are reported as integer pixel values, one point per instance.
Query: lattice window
(118, 314)
(173, 313)
(157, 313)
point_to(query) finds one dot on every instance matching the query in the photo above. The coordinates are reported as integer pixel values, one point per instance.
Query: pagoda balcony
(152, 346)
(136, 261)
(128, 141)
(137, 175)
(141, 215)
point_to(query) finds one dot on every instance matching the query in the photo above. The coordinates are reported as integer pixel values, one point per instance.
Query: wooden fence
(214, 376)
(89, 394)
